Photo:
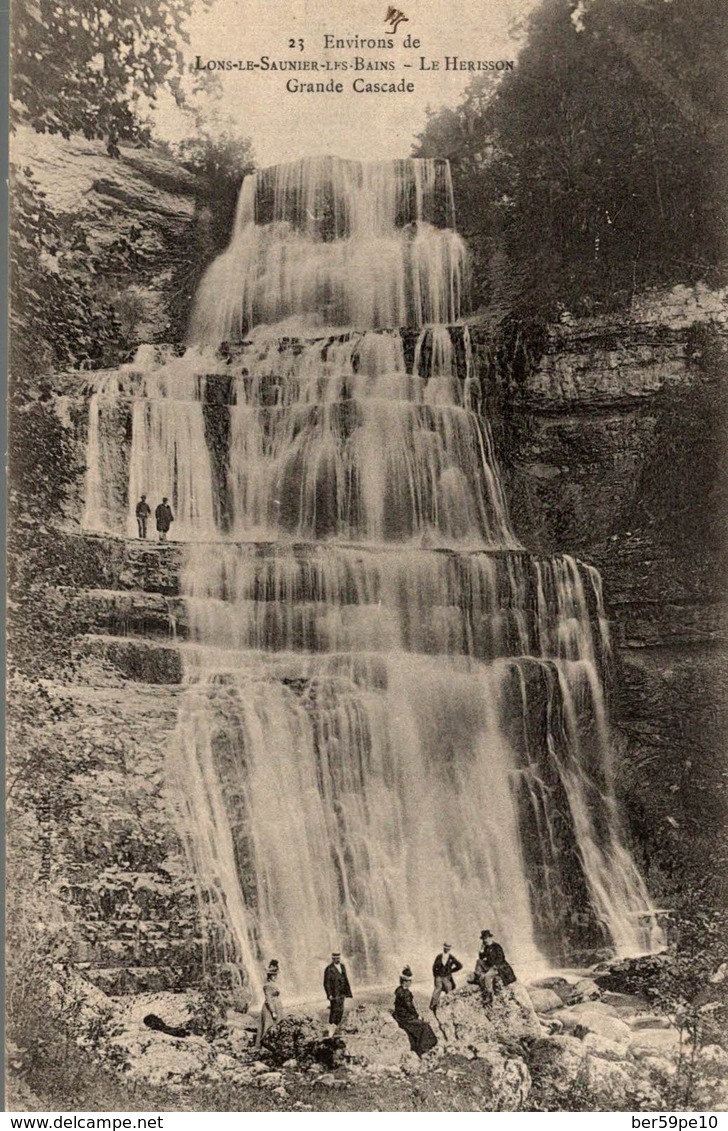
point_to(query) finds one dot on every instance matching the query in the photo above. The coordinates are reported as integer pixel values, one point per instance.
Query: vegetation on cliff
(597, 166)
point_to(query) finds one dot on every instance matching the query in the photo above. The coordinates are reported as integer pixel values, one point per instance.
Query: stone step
(138, 660)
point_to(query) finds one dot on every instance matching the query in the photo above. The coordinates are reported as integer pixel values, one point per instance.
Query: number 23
(293, 43)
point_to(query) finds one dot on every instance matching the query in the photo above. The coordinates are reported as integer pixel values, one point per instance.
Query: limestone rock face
(141, 196)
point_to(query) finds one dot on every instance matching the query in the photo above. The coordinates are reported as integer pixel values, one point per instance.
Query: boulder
(607, 1009)
(604, 1026)
(508, 1080)
(183, 1010)
(584, 990)
(544, 1000)
(555, 983)
(710, 1091)
(160, 1059)
(607, 1083)
(465, 1020)
(655, 1042)
(647, 1021)
(658, 1069)
(293, 1038)
(555, 1063)
(602, 1046)
(372, 1037)
(632, 975)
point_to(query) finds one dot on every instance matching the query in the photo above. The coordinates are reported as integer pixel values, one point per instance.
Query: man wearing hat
(492, 964)
(337, 989)
(443, 968)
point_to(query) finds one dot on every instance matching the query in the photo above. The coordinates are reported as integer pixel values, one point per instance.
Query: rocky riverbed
(566, 1044)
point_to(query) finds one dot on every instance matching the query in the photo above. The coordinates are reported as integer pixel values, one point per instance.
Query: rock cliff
(142, 199)
(612, 435)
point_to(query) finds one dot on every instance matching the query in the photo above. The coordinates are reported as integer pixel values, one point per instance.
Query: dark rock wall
(612, 440)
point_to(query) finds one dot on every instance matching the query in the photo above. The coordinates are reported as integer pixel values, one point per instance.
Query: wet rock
(584, 990)
(293, 1038)
(544, 1000)
(604, 1026)
(633, 975)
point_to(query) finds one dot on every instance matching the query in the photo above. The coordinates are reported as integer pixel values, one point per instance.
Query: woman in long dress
(272, 1008)
(421, 1036)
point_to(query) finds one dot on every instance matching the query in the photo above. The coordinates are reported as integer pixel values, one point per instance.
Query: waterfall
(394, 726)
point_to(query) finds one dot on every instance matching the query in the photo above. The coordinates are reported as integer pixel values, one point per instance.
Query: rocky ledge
(599, 1049)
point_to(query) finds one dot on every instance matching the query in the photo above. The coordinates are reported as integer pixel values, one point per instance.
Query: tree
(220, 159)
(603, 154)
(93, 66)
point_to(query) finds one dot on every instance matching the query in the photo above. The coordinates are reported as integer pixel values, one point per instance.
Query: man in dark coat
(337, 989)
(421, 1035)
(443, 968)
(165, 518)
(492, 964)
(143, 511)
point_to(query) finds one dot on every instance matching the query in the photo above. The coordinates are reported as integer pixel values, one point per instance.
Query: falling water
(394, 727)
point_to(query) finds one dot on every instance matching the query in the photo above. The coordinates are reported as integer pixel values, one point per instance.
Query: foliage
(57, 318)
(219, 160)
(597, 166)
(94, 68)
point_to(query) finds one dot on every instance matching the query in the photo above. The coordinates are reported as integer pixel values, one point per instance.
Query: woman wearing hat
(421, 1036)
(272, 1009)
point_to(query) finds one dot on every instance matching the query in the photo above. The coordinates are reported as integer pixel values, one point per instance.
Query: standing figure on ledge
(337, 989)
(165, 518)
(143, 511)
(492, 971)
(272, 1009)
(421, 1036)
(443, 968)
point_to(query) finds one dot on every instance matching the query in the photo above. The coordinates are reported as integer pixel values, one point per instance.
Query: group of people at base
(162, 516)
(492, 973)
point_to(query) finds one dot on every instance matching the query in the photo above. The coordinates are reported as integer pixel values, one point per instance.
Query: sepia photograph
(367, 693)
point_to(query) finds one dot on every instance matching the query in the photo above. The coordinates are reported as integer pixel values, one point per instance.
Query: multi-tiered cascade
(394, 726)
